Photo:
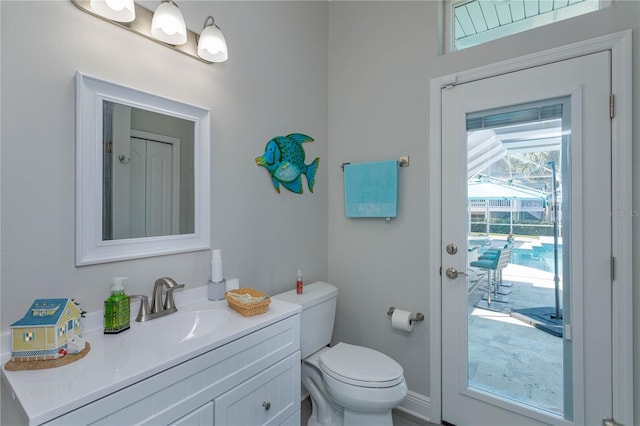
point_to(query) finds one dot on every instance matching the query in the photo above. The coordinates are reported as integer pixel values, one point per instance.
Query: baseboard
(416, 405)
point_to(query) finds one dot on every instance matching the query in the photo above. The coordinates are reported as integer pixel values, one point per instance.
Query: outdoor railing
(533, 229)
(519, 204)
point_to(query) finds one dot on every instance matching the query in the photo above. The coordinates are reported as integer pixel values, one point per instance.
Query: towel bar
(402, 162)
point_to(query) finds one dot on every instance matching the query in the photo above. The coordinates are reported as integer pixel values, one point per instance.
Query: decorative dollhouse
(49, 329)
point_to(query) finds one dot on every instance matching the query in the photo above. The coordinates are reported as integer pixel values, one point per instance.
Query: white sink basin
(182, 326)
(187, 325)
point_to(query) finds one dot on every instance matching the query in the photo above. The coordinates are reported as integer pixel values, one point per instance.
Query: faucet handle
(169, 303)
(143, 312)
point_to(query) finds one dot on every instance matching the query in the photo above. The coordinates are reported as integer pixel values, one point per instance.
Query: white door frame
(622, 334)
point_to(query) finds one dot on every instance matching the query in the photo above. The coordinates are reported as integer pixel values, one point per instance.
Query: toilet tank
(318, 303)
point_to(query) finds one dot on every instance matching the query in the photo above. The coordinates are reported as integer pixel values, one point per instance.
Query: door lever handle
(452, 273)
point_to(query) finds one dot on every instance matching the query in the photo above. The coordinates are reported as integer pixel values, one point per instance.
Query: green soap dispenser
(116, 308)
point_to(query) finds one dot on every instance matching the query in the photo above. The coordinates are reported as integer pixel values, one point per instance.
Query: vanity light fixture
(212, 46)
(117, 10)
(146, 23)
(168, 24)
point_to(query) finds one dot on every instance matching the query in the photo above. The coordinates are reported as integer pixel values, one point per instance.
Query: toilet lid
(360, 366)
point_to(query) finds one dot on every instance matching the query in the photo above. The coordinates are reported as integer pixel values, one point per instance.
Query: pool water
(539, 257)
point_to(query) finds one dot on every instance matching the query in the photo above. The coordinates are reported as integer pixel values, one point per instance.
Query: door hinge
(611, 106)
(613, 268)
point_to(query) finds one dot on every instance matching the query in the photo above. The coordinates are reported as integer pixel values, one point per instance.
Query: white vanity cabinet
(200, 417)
(267, 399)
(270, 398)
(251, 381)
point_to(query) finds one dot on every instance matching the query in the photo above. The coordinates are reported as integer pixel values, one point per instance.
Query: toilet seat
(360, 366)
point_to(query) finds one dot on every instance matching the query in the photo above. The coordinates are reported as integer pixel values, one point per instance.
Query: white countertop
(116, 361)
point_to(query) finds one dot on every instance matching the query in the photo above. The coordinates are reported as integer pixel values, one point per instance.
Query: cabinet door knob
(266, 405)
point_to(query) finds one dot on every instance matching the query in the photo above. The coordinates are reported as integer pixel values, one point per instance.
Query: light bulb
(168, 24)
(212, 46)
(116, 10)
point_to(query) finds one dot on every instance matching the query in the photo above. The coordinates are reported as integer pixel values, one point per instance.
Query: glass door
(526, 177)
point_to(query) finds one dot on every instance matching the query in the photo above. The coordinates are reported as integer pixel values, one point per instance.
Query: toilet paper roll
(400, 320)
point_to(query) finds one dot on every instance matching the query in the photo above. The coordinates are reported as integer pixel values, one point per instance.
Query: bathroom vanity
(205, 364)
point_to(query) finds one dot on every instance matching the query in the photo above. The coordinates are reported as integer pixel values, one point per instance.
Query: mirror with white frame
(142, 174)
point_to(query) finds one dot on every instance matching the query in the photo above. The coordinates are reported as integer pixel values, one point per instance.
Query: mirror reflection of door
(148, 175)
(151, 200)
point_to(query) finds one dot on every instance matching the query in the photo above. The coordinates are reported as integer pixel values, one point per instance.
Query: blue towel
(371, 189)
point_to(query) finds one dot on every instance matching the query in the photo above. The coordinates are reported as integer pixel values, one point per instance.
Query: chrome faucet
(158, 307)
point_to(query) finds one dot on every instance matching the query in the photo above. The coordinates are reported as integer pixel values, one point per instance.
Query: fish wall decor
(284, 159)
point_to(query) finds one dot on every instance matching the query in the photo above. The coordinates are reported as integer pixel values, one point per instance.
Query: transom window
(473, 22)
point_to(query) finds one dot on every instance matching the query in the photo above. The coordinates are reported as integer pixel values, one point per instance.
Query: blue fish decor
(284, 159)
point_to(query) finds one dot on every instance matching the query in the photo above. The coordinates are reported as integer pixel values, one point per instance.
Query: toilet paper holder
(413, 318)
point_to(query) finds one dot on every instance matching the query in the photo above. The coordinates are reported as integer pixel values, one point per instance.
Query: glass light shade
(212, 46)
(168, 24)
(116, 10)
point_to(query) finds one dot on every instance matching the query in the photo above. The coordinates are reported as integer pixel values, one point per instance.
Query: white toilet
(349, 385)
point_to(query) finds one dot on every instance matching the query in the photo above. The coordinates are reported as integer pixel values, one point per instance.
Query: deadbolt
(452, 248)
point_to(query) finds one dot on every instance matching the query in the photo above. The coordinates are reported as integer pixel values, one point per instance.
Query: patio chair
(495, 251)
(493, 265)
(492, 253)
(501, 288)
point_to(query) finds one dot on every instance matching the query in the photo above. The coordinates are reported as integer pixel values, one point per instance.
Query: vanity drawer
(203, 416)
(270, 398)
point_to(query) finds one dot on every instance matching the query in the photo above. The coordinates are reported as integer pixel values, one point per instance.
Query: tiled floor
(511, 358)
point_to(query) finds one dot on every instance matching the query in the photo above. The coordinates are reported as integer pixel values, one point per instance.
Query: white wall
(381, 58)
(274, 83)
(378, 63)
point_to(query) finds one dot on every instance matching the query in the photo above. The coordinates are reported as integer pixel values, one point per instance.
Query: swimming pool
(539, 257)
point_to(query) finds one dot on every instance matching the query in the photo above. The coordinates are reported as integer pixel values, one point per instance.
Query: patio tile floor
(511, 358)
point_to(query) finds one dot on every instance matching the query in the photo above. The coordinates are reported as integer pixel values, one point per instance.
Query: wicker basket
(248, 309)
